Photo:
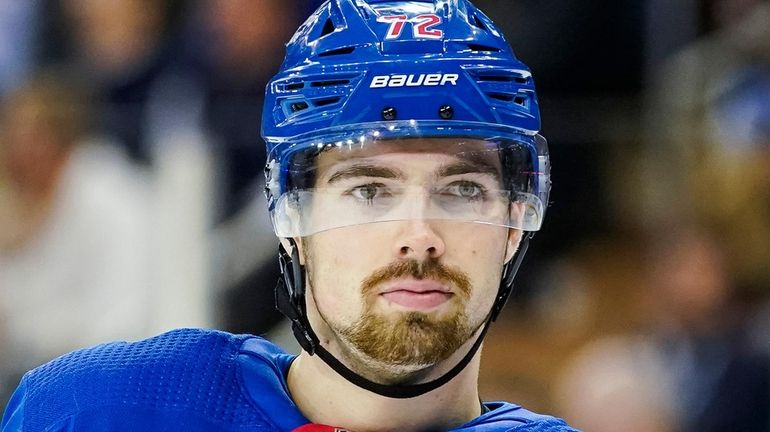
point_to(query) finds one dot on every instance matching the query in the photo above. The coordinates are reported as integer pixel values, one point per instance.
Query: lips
(416, 294)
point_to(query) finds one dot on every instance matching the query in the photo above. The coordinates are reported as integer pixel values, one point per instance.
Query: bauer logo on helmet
(414, 80)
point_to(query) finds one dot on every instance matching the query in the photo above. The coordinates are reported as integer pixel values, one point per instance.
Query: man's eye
(367, 192)
(465, 189)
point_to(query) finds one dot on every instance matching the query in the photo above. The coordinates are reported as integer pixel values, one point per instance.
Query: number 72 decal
(421, 26)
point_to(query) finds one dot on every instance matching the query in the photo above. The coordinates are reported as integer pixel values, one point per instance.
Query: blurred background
(131, 203)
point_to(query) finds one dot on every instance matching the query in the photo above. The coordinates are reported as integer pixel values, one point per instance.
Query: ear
(512, 245)
(287, 245)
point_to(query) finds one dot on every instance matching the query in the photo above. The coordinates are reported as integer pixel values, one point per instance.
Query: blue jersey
(186, 380)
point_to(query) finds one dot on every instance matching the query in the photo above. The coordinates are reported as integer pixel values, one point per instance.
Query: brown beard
(411, 338)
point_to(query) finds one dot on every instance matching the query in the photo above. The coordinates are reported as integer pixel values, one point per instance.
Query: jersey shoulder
(182, 374)
(504, 416)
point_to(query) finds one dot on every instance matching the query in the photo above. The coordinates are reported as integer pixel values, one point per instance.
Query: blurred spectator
(238, 45)
(709, 163)
(708, 138)
(188, 106)
(616, 384)
(692, 369)
(74, 233)
(235, 46)
(118, 48)
(719, 381)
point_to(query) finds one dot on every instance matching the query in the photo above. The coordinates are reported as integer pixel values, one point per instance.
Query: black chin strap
(290, 300)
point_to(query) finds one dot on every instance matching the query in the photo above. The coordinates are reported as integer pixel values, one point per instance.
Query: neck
(325, 397)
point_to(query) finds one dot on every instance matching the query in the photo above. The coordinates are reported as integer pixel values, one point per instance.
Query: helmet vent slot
(329, 83)
(327, 101)
(299, 106)
(328, 28)
(479, 23)
(294, 86)
(338, 51)
(503, 78)
(496, 78)
(483, 48)
(505, 97)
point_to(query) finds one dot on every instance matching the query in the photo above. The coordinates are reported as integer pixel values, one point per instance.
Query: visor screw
(446, 112)
(388, 113)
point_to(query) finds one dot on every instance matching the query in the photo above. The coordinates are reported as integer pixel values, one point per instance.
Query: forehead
(413, 154)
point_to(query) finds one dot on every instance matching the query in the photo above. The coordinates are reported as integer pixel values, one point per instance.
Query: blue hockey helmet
(362, 73)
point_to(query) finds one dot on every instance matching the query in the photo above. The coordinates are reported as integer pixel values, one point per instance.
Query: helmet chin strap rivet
(389, 113)
(446, 112)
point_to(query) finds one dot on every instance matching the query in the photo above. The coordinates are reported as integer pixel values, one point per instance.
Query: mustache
(429, 269)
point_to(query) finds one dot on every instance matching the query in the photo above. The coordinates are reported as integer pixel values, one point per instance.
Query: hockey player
(405, 179)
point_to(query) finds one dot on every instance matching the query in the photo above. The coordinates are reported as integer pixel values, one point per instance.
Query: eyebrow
(366, 170)
(468, 167)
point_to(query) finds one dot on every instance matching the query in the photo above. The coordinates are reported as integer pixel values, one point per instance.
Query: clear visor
(500, 182)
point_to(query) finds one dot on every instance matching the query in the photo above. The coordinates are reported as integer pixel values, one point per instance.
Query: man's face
(406, 293)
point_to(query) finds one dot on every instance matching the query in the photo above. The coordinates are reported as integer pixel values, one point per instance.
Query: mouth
(416, 294)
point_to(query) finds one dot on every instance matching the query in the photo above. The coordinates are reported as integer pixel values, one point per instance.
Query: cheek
(339, 261)
(476, 246)
(479, 251)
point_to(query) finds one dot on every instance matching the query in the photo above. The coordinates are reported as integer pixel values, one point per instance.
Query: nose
(419, 240)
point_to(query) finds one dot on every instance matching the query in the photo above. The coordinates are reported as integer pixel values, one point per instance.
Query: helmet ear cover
(290, 296)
